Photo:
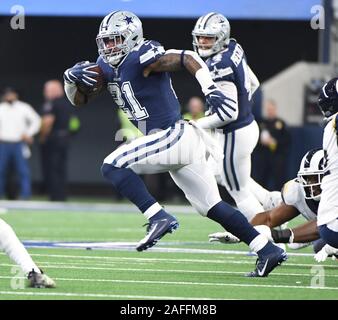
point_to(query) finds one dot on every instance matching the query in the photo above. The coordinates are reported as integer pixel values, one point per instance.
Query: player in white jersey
(300, 196)
(236, 129)
(12, 246)
(328, 208)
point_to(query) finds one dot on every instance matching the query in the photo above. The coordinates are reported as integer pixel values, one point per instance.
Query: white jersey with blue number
(230, 65)
(328, 208)
(150, 103)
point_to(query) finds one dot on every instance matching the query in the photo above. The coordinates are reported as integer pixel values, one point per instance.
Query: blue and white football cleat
(266, 263)
(156, 230)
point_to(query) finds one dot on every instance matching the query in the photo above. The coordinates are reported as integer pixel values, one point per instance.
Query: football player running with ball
(136, 75)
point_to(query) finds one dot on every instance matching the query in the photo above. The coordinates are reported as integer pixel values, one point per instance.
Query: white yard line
(171, 260)
(82, 266)
(190, 283)
(99, 295)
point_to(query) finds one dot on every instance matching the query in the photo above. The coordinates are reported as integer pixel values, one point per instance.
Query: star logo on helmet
(128, 20)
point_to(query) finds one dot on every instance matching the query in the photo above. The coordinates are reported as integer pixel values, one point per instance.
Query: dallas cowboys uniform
(239, 136)
(151, 105)
(179, 147)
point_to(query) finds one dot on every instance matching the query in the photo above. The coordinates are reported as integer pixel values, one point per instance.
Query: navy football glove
(219, 103)
(79, 73)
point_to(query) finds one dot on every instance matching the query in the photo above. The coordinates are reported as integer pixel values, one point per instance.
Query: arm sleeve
(70, 89)
(214, 121)
(253, 80)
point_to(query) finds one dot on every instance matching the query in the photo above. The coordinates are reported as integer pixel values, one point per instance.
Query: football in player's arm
(135, 71)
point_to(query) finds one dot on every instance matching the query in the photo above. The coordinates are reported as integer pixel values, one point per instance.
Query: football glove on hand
(218, 103)
(79, 73)
(223, 237)
(327, 250)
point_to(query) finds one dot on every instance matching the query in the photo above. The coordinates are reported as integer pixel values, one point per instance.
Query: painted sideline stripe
(86, 207)
(100, 295)
(190, 283)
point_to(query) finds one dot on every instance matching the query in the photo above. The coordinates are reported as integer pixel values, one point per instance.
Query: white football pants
(181, 150)
(234, 171)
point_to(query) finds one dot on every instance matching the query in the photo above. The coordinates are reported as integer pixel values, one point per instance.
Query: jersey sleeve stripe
(151, 54)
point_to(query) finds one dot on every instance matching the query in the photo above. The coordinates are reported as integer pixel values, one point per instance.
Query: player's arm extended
(276, 216)
(225, 108)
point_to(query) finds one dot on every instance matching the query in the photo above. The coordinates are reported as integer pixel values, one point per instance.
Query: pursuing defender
(136, 74)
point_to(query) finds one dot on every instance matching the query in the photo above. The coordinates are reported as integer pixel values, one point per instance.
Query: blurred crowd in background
(52, 125)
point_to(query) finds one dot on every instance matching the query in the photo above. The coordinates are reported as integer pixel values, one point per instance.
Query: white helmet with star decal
(119, 33)
(213, 25)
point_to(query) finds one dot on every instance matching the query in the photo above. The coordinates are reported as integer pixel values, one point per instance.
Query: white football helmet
(119, 33)
(311, 173)
(211, 25)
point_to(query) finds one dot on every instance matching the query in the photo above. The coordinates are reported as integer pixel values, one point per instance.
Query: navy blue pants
(13, 152)
(329, 236)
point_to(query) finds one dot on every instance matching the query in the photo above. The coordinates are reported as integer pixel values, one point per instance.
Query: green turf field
(195, 272)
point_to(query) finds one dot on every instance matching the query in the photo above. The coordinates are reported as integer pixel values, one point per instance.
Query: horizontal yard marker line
(171, 260)
(190, 283)
(99, 295)
(176, 261)
(130, 246)
(85, 266)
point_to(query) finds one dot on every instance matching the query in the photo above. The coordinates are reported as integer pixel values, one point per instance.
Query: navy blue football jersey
(150, 103)
(230, 65)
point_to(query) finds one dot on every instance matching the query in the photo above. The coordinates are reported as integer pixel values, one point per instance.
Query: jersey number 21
(132, 108)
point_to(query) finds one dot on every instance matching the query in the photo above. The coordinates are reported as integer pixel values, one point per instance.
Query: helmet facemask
(119, 33)
(311, 173)
(216, 47)
(112, 48)
(211, 25)
(311, 183)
